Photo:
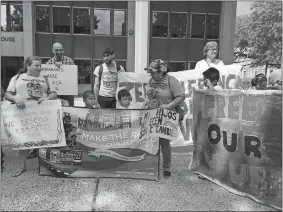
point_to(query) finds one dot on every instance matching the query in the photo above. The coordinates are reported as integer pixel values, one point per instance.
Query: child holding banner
(163, 91)
(211, 78)
(28, 85)
(124, 99)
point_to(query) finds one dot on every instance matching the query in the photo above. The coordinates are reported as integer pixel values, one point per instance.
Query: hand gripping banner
(238, 142)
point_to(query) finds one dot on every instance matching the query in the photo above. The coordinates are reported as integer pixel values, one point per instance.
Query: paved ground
(182, 192)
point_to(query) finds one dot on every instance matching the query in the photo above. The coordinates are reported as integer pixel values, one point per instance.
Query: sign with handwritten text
(63, 80)
(35, 126)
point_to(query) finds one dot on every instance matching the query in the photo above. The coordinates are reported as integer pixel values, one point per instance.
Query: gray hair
(209, 45)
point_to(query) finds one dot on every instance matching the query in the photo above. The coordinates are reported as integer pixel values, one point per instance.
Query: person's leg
(166, 153)
(23, 157)
(103, 102)
(113, 102)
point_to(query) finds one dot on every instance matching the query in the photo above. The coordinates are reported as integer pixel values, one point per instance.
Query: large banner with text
(136, 83)
(63, 80)
(103, 143)
(238, 142)
(35, 126)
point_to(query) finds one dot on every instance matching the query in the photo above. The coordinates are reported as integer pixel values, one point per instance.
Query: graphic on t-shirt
(35, 90)
(153, 98)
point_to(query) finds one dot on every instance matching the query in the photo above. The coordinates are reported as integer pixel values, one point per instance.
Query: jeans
(166, 153)
(107, 102)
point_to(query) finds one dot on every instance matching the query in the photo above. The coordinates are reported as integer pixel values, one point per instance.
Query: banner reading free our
(238, 142)
(136, 83)
(102, 143)
(63, 80)
(36, 126)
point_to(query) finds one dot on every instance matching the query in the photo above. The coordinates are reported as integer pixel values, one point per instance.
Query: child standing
(211, 78)
(89, 99)
(124, 98)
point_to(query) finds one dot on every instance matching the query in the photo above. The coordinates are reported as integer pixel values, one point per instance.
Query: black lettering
(216, 128)
(233, 146)
(233, 107)
(249, 147)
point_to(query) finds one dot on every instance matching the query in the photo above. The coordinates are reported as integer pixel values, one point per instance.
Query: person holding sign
(28, 85)
(60, 59)
(105, 81)
(211, 78)
(163, 91)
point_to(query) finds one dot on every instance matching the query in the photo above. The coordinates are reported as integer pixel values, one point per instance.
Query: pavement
(182, 192)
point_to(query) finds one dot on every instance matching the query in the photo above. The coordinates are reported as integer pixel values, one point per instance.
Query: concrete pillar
(131, 37)
(227, 31)
(142, 35)
(28, 28)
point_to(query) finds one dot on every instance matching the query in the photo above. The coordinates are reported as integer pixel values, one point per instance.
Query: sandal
(19, 172)
(167, 174)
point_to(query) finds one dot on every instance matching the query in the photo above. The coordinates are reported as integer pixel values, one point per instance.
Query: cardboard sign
(238, 142)
(63, 80)
(36, 126)
(102, 143)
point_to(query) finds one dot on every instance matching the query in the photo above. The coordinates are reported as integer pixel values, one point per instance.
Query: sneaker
(167, 174)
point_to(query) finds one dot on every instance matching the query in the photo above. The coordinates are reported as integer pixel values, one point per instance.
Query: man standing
(59, 59)
(106, 78)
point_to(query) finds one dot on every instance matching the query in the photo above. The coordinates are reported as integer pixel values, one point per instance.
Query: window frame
(50, 24)
(91, 70)
(126, 23)
(72, 21)
(177, 61)
(190, 64)
(11, 4)
(218, 29)
(187, 13)
(168, 21)
(110, 17)
(191, 20)
(52, 19)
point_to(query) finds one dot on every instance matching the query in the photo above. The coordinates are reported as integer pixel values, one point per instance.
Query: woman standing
(28, 85)
(163, 91)
(210, 52)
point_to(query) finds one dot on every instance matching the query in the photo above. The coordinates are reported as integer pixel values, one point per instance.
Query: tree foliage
(260, 33)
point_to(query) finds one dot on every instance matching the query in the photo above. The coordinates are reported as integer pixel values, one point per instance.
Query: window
(61, 20)
(191, 65)
(122, 63)
(179, 25)
(120, 22)
(12, 16)
(212, 29)
(97, 62)
(81, 20)
(42, 18)
(177, 66)
(84, 70)
(159, 24)
(101, 22)
(197, 25)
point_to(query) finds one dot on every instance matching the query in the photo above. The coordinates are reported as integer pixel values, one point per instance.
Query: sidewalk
(182, 192)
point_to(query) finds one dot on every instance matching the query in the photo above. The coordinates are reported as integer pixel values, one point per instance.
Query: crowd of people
(162, 90)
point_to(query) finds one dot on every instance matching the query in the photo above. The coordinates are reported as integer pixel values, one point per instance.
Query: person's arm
(122, 69)
(96, 84)
(51, 96)
(178, 99)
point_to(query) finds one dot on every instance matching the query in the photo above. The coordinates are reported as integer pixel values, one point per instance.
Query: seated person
(259, 82)
(89, 99)
(211, 78)
(124, 99)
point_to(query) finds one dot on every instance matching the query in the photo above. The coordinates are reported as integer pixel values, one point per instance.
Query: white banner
(35, 126)
(63, 80)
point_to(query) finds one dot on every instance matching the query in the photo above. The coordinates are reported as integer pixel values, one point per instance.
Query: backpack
(100, 74)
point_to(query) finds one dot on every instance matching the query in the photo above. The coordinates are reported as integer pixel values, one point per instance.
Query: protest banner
(102, 143)
(136, 83)
(63, 80)
(238, 142)
(35, 126)
(159, 122)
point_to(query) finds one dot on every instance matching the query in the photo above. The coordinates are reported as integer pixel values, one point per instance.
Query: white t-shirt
(204, 66)
(28, 88)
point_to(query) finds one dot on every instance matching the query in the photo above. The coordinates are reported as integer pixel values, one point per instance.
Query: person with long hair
(28, 85)
(259, 82)
(163, 91)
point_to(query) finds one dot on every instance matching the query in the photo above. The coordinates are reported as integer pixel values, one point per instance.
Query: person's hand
(20, 104)
(166, 106)
(41, 100)
(58, 64)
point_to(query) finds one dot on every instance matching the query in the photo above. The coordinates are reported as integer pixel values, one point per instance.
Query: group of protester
(163, 90)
